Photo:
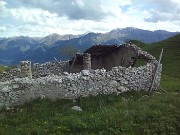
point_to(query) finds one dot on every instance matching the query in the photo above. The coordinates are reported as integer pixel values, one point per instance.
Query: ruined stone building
(100, 70)
(96, 57)
(105, 56)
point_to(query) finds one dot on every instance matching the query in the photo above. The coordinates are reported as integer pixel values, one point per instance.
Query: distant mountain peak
(86, 33)
(53, 34)
(123, 30)
(127, 28)
(46, 48)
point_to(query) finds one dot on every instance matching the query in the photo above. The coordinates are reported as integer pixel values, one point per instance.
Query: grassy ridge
(171, 55)
(132, 113)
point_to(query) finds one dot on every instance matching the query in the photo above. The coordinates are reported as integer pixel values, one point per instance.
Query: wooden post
(154, 77)
(59, 64)
(72, 65)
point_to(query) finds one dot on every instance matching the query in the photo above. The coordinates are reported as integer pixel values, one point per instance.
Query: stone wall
(36, 70)
(18, 91)
(49, 68)
(13, 73)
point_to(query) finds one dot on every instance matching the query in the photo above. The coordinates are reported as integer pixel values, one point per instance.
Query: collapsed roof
(122, 55)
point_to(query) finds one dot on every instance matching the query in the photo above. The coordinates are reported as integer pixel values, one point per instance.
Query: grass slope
(171, 55)
(132, 113)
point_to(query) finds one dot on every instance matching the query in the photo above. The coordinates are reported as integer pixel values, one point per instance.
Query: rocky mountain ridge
(15, 49)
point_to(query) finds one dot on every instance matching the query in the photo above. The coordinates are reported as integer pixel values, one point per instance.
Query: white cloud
(3, 9)
(3, 28)
(33, 16)
(42, 17)
(164, 10)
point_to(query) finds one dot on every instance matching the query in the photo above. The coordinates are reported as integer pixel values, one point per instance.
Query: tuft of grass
(2, 68)
(6, 68)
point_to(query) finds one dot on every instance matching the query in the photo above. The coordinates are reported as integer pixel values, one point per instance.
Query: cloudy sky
(43, 17)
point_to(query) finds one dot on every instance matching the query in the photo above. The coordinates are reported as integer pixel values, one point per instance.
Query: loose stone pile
(49, 68)
(73, 85)
(141, 54)
(37, 70)
(14, 73)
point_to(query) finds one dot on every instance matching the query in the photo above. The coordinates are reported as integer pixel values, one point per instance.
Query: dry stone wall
(36, 70)
(14, 73)
(18, 91)
(49, 68)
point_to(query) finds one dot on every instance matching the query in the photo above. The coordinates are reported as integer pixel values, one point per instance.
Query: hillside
(171, 54)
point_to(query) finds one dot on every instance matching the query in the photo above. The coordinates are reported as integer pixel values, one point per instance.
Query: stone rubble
(37, 70)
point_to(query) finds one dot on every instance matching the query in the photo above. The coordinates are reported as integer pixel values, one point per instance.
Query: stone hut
(105, 56)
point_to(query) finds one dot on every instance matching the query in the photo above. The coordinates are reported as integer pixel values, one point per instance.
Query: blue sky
(42, 17)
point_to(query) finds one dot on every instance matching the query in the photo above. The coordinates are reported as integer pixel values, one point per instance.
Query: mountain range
(62, 47)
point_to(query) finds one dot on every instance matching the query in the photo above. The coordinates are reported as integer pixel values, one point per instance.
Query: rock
(113, 83)
(6, 89)
(103, 70)
(66, 73)
(85, 72)
(123, 81)
(115, 69)
(76, 108)
(122, 89)
(42, 97)
(15, 86)
(8, 108)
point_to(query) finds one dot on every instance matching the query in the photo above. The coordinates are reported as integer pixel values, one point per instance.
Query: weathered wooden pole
(154, 77)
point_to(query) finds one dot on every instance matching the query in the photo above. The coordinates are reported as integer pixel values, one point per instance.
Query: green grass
(2, 68)
(6, 69)
(131, 113)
